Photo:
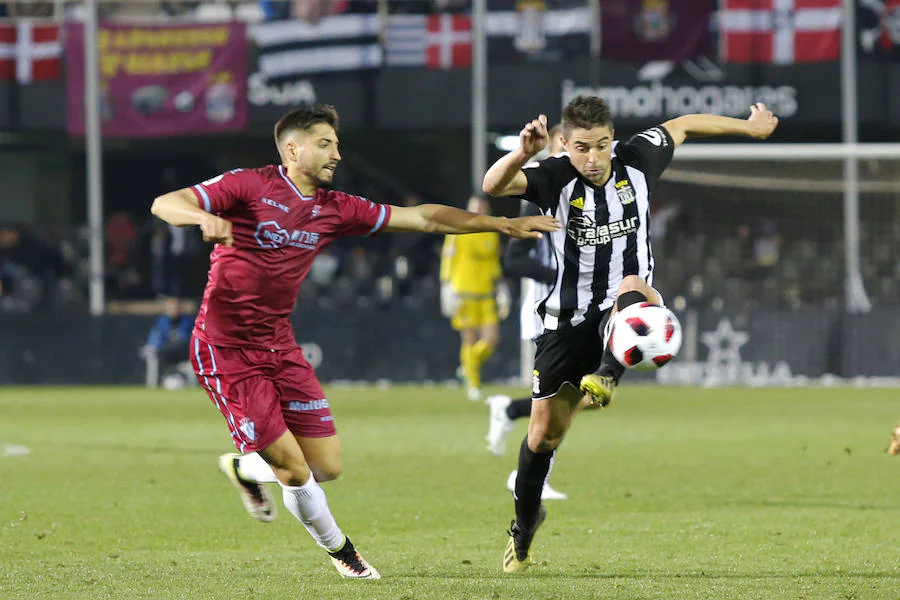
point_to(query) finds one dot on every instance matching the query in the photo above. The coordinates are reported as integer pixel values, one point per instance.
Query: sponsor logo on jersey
(586, 232)
(578, 202)
(625, 191)
(277, 205)
(269, 234)
(311, 405)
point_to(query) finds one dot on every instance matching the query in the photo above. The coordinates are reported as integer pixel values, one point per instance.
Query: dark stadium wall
(399, 344)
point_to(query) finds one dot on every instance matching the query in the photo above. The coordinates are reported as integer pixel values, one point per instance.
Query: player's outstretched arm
(181, 207)
(760, 125)
(437, 218)
(505, 177)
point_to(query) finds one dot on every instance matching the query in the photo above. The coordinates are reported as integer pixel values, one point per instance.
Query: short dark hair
(586, 112)
(306, 117)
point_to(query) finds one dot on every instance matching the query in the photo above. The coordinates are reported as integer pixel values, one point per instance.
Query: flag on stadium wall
(780, 32)
(442, 41)
(30, 52)
(335, 43)
(445, 41)
(879, 28)
(648, 30)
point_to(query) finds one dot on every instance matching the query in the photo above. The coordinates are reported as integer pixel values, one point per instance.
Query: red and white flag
(448, 41)
(441, 41)
(780, 32)
(30, 52)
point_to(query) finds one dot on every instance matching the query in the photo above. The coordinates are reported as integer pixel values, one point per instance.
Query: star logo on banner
(724, 343)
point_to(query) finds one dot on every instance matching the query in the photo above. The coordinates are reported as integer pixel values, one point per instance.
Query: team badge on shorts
(248, 428)
(535, 382)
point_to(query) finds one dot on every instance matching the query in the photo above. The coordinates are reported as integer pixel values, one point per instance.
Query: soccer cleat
(351, 565)
(255, 496)
(517, 556)
(547, 493)
(499, 424)
(894, 446)
(474, 394)
(600, 389)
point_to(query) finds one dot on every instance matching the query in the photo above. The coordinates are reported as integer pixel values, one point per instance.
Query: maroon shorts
(262, 393)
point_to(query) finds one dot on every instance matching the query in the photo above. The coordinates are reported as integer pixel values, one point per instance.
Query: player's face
(315, 153)
(590, 152)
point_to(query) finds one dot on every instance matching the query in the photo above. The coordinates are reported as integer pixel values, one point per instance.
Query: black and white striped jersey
(606, 230)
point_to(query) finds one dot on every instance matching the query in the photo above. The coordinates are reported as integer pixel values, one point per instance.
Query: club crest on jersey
(269, 234)
(625, 191)
(585, 231)
(578, 202)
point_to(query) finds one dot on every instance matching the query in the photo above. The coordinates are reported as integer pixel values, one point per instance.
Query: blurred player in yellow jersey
(470, 272)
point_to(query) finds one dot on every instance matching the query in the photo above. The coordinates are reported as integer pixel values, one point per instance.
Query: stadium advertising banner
(159, 80)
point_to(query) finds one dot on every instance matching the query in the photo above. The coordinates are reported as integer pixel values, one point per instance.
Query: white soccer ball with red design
(645, 336)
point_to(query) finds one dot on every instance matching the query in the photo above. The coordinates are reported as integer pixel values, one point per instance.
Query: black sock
(609, 366)
(533, 469)
(519, 408)
(629, 298)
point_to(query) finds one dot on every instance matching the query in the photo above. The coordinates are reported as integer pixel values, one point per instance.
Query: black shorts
(568, 354)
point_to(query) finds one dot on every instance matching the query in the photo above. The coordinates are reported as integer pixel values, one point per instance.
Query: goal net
(752, 255)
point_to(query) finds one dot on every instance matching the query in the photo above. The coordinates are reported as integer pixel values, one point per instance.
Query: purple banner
(646, 30)
(160, 80)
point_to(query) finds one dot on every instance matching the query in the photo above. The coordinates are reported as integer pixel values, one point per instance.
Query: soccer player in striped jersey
(600, 191)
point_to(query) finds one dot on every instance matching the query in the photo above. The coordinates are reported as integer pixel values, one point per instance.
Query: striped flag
(445, 41)
(437, 41)
(335, 43)
(30, 52)
(780, 32)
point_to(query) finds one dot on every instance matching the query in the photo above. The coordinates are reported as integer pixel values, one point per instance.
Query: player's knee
(633, 283)
(328, 472)
(634, 290)
(541, 438)
(294, 474)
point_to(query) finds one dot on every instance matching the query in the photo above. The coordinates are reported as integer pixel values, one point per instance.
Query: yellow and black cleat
(511, 564)
(599, 388)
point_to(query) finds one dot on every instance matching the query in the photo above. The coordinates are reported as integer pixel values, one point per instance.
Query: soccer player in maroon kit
(268, 225)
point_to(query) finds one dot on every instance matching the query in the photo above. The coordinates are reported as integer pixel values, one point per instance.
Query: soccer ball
(645, 336)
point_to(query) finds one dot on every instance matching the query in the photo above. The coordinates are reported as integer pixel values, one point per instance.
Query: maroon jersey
(277, 232)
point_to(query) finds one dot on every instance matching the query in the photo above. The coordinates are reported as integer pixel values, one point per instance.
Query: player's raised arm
(505, 177)
(182, 207)
(437, 218)
(760, 125)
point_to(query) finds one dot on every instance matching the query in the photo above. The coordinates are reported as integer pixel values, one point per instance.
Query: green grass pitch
(674, 493)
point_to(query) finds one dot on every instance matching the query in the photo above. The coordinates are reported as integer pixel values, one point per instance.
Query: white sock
(308, 503)
(255, 468)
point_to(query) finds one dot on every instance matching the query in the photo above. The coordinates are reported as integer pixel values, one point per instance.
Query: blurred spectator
(166, 348)
(172, 256)
(121, 249)
(176, 8)
(767, 244)
(412, 256)
(31, 8)
(310, 11)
